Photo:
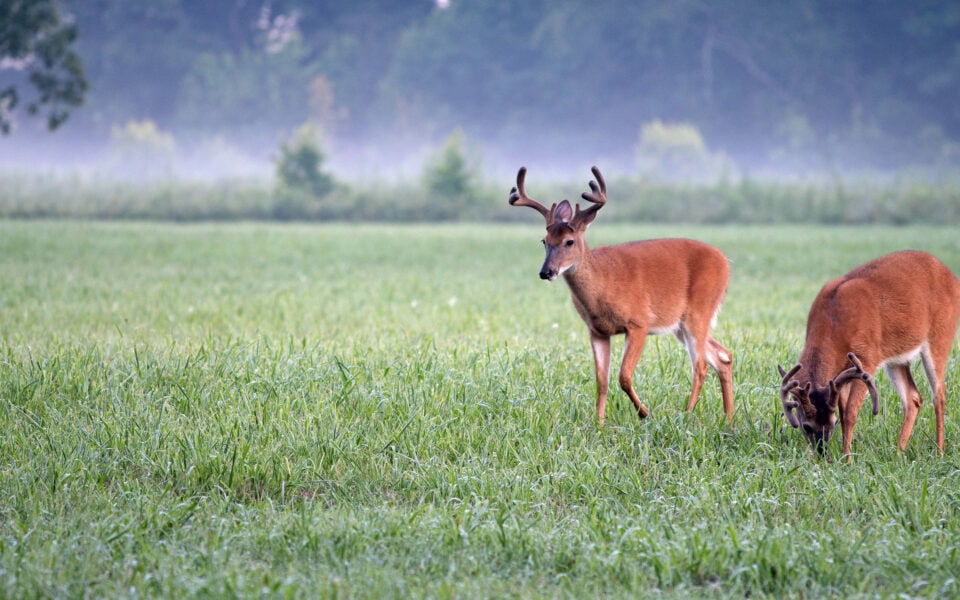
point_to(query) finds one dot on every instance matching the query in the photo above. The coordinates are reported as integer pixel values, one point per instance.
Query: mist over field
(679, 90)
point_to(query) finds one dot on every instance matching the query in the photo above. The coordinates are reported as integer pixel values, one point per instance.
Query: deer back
(654, 283)
(883, 309)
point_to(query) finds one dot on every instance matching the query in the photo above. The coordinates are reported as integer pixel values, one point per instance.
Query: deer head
(563, 243)
(813, 408)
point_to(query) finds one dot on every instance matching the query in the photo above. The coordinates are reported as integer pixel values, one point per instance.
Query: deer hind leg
(936, 375)
(601, 360)
(721, 360)
(696, 348)
(632, 349)
(712, 354)
(910, 398)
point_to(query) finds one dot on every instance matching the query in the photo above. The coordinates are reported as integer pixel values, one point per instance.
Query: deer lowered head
(814, 408)
(564, 242)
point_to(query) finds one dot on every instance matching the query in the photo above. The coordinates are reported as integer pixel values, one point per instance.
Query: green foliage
(448, 174)
(450, 178)
(233, 92)
(556, 72)
(317, 411)
(808, 85)
(903, 200)
(677, 151)
(301, 180)
(235, 68)
(34, 39)
(48, 195)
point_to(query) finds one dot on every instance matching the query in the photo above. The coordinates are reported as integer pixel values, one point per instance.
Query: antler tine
(785, 375)
(598, 190)
(855, 360)
(518, 196)
(857, 372)
(597, 195)
(786, 385)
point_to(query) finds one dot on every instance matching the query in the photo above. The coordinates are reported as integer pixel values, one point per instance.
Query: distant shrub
(451, 178)
(675, 150)
(300, 165)
(302, 184)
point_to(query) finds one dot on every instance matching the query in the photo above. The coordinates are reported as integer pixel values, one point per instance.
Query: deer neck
(580, 276)
(820, 365)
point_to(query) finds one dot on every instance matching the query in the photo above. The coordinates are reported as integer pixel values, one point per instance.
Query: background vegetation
(738, 112)
(382, 411)
(450, 188)
(798, 86)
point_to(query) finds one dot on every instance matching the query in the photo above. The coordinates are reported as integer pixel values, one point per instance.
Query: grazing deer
(884, 313)
(638, 288)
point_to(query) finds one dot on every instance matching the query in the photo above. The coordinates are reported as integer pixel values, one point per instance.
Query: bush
(676, 150)
(451, 180)
(302, 182)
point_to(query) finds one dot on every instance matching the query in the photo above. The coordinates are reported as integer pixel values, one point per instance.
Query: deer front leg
(850, 401)
(699, 374)
(632, 349)
(601, 360)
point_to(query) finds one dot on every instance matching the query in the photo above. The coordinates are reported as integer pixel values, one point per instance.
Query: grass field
(388, 411)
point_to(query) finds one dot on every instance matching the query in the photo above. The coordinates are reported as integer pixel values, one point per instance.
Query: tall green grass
(383, 411)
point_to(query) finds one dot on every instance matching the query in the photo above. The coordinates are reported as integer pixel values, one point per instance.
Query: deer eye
(544, 242)
(568, 243)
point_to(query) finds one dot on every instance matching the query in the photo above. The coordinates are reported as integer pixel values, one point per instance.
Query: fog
(677, 90)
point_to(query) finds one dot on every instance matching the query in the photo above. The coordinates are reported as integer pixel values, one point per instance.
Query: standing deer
(884, 313)
(636, 289)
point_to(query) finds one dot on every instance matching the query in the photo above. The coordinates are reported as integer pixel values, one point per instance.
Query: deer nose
(547, 273)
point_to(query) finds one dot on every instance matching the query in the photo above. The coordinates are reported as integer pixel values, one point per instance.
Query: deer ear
(563, 213)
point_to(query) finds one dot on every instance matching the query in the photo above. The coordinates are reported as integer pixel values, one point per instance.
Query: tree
(300, 165)
(450, 178)
(302, 182)
(36, 42)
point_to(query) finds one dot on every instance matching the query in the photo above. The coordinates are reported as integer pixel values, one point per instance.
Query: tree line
(799, 84)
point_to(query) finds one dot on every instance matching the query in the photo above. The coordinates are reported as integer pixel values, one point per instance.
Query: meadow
(383, 411)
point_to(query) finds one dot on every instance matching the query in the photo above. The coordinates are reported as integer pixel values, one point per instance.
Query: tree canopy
(801, 82)
(37, 44)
